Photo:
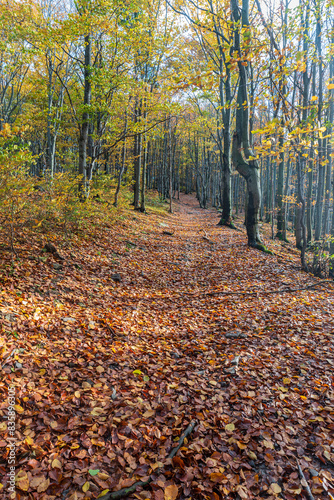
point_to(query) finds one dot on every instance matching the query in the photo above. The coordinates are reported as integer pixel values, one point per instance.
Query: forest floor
(115, 350)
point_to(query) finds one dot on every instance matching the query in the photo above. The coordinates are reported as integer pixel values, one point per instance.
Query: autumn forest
(166, 249)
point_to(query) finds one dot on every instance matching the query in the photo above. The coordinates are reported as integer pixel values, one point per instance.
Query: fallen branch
(169, 233)
(48, 247)
(207, 239)
(186, 433)
(124, 492)
(4, 361)
(305, 483)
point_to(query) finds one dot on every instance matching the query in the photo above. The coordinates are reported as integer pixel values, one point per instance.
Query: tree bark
(137, 160)
(280, 188)
(84, 127)
(122, 168)
(243, 156)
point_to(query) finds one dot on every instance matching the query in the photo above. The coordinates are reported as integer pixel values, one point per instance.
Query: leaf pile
(116, 349)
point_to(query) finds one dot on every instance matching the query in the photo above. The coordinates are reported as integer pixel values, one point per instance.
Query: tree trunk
(280, 187)
(84, 127)
(122, 168)
(330, 151)
(143, 179)
(243, 157)
(137, 160)
(170, 162)
(321, 142)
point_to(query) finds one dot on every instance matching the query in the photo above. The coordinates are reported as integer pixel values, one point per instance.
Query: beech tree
(243, 156)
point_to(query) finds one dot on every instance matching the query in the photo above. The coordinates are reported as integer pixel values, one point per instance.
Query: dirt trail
(109, 374)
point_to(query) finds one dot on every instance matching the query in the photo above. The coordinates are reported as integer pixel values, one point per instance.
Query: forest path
(108, 374)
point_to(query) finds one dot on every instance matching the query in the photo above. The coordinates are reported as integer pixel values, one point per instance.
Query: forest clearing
(150, 325)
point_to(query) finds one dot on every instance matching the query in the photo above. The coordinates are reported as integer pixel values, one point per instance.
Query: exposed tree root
(124, 492)
(227, 223)
(280, 237)
(260, 246)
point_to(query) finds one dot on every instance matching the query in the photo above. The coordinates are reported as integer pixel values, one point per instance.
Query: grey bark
(243, 156)
(84, 126)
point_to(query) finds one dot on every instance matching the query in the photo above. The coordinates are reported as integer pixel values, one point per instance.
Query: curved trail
(114, 372)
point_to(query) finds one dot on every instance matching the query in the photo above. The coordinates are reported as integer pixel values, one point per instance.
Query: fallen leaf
(275, 488)
(85, 486)
(56, 464)
(171, 492)
(36, 481)
(22, 481)
(43, 486)
(104, 492)
(94, 472)
(230, 427)
(216, 477)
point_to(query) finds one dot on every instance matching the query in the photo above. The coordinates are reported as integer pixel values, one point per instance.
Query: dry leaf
(56, 464)
(86, 486)
(43, 486)
(230, 427)
(171, 492)
(275, 488)
(22, 481)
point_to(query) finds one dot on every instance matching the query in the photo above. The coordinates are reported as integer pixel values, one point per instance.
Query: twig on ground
(7, 358)
(186, 433)
(206, 238)
(304, 482)
(124, 492)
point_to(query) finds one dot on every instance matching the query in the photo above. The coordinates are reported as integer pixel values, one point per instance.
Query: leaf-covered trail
(109, 373)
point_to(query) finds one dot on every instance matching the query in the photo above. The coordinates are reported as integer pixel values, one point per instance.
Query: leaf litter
(110, 373)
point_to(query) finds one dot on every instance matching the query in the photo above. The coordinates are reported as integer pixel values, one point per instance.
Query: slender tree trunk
(321, 142)
(49, 155)
(84, 127)
(143, 179)
(226, 218)
(320, 195)
(301, 239)
(122, 168)
(330, 151)
(286, 192)
(301, 213)
(309, 198)
(280, 189)
(268, 189)
(325, 229)
(170, 166)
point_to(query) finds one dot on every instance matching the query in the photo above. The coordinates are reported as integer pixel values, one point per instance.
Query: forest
(166, 249)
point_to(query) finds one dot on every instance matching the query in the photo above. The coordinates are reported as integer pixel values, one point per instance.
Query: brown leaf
(43, 486)
(216, 477)
(22, 481)
(171, 492)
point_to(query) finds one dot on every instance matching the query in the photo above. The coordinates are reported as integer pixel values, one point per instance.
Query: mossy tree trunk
(242, 154)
